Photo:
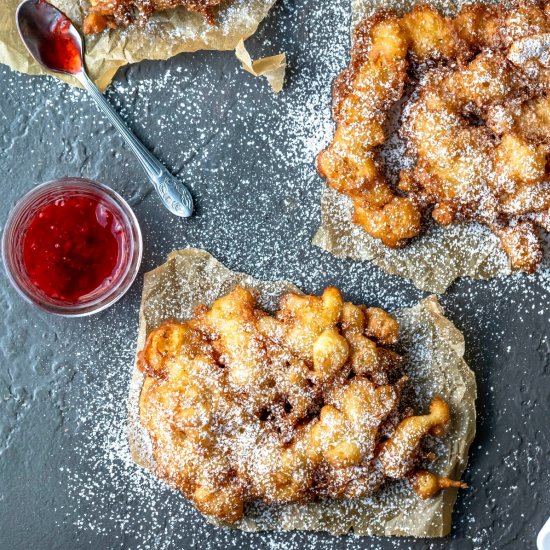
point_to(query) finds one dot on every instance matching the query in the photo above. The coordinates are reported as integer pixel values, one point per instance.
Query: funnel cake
(477, 122)
(242, 406)
(120, 13)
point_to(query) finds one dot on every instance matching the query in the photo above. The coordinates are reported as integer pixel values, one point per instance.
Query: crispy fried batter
(427, 484)
(244, 406)
(398, 452)
(478, 123)
(121, 13)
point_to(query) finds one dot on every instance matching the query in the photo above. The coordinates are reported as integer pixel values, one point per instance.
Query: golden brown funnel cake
(120, 13)
(477, 123)
(244, 406)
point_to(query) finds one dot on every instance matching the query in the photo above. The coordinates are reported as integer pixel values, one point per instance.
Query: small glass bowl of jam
(72, 247)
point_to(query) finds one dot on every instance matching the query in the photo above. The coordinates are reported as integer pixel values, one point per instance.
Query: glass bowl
(129, 243)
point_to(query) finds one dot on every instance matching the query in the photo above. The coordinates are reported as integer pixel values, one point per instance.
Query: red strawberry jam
(71, 247)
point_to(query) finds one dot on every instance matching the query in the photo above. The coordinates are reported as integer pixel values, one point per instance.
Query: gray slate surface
(65, 478)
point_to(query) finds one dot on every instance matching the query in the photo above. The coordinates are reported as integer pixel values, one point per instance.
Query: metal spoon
(45, 31)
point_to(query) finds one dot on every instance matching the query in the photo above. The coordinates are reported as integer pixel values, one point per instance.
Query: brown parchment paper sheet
(439, 255)
(435, 350)
(165, 35)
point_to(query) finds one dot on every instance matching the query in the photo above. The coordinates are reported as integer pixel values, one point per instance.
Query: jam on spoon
(54, 43)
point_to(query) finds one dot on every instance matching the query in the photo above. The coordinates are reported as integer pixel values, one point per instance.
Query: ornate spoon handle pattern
(174, 195)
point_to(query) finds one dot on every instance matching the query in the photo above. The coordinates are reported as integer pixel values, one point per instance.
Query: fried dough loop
(478, 124)
(245, 406)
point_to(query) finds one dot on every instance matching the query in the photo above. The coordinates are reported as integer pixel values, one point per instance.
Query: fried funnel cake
(477, 121)
(244, 406)
(121, 13)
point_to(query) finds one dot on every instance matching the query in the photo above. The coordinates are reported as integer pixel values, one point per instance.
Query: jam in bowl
(72, 246)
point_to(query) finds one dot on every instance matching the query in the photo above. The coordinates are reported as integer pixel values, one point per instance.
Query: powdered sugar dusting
(208, 120)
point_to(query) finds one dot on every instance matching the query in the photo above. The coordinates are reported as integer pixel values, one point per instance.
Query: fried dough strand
(478, 124)
(245, 406)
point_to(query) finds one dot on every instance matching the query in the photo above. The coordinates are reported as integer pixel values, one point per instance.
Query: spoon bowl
(50, 37)
(54, 42)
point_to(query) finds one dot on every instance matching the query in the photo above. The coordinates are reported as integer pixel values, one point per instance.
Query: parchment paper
(273, 67)
(435, 350)
(439, 255)
(167, 34)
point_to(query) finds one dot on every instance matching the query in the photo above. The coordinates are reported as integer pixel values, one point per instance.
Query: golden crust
(121, 13)
(478, 124)
(244, 406)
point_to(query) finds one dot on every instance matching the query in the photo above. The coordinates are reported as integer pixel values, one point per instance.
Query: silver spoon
(46, 32)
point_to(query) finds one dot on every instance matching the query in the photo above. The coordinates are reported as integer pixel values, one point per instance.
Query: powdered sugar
(208, 121)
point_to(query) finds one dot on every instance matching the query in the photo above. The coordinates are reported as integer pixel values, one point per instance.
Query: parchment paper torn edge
(272, 68)
(435, 350)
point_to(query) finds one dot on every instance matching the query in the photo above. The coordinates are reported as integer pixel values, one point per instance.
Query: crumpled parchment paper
(165, 35)
(434, 348)
(439, 255)
(272, 68)
(432, 261)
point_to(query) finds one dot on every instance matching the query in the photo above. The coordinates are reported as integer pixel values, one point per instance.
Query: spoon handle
(174, 195)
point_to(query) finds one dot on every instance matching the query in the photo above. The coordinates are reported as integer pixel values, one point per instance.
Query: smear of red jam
(61, 51)
(72, 246)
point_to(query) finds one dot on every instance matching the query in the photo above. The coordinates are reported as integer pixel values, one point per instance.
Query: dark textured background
(66, 480)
